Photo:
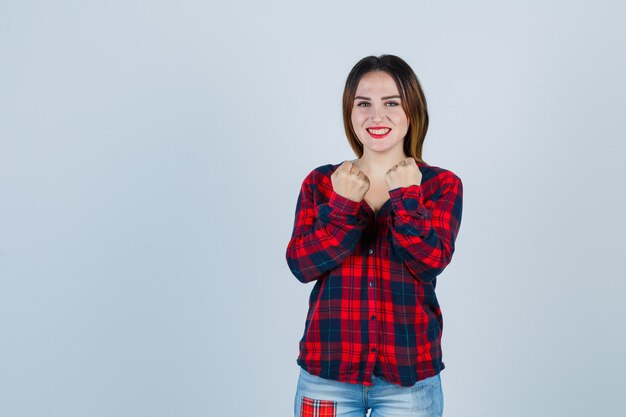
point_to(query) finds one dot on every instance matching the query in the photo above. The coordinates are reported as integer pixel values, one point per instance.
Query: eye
(363, 102)
(395, 104)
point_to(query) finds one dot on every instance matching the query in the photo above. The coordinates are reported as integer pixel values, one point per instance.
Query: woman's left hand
(404, 174)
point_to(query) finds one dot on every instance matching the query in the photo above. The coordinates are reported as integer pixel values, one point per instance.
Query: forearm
(322, 242)
(424, 237)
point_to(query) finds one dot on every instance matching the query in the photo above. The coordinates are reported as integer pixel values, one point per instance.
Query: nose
(377, 113)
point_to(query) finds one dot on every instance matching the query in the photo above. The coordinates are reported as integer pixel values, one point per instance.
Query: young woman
(373, 234)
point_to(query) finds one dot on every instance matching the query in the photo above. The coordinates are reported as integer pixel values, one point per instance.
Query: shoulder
(321, 173)
(318, 181)
(438, 181)
(435, 175)
(438, 174)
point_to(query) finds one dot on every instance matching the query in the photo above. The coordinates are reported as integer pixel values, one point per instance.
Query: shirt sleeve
(425, 237)
(324, 235)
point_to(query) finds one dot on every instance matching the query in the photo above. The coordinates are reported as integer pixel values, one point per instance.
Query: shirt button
(373, 317)
(371, 284)
(370, 251)
(373, 349)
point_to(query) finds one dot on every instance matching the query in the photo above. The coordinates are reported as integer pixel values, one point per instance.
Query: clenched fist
(350, 182)
(404, 174)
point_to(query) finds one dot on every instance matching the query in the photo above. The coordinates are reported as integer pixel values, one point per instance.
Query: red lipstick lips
(375, 135)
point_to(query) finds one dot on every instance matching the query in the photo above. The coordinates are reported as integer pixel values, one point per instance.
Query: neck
(376, 166)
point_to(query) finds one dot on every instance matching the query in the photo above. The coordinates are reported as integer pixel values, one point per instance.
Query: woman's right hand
(350, 182)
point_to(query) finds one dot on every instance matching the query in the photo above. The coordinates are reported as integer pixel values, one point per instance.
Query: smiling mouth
(378, 133)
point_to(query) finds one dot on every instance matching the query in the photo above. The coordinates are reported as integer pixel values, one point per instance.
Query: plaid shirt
(373, 307)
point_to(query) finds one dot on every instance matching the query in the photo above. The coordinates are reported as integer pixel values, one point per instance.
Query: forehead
(377, 83)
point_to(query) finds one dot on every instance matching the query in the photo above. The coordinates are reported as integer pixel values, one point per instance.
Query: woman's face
(378, 118)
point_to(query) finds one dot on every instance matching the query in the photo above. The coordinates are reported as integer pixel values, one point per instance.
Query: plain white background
(151, 154)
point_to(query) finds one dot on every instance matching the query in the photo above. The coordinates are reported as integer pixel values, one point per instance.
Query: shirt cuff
(409, 200)
(342, 205)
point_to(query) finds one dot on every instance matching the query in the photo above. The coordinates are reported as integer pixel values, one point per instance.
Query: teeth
(379, 131)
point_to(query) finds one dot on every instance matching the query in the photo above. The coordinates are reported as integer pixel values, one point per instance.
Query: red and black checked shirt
(374, 302)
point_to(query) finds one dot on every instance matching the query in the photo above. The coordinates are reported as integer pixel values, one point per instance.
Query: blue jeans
(317, 396)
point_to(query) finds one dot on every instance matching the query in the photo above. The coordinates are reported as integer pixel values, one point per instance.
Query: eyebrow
(382, 98)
